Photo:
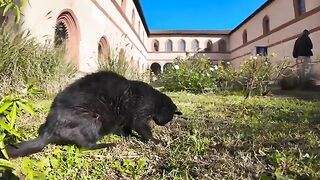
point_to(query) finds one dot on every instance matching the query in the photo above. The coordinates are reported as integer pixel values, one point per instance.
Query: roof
(140, 11)
(189, 32)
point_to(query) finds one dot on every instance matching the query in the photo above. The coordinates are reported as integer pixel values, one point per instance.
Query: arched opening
(195, 45)
(266, 25)
(67, 34)
(61, 35)
(133, 18)
(222, 46)
(143, 34)
(182, 45)
(167, 66)
(123, 5)
(169, 46)
(299, 7)
(138, 65)
(139, 28)
(244, 37)
(122, 55)
(131, 62)
(209, 46)
(155, 46)
(156, 68)
(103, 49)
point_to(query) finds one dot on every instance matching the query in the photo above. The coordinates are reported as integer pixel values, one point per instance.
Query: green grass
(218, 137)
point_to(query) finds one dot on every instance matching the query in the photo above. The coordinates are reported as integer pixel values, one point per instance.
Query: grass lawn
(218, 137)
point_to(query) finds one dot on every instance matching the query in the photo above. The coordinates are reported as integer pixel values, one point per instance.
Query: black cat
(96, 105)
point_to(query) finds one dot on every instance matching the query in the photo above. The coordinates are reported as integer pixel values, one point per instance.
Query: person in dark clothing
(302, 52)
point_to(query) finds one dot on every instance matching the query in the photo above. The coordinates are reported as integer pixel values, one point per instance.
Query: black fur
(96, 105)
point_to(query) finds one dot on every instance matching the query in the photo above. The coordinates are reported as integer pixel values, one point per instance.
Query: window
(123, 5)
(195, 45)
(155, 45)
(169, 46)
(143, 34)
(156, 68)
(131, 62)
(182, 45)
(122, 55)
(133, 18)
(262, 50)
(103, 49)
(266, 25)
(67, 34)
(209, 46)
(139, 28)
(61, 34)
(222, 46)
(244, 37)
(299, 7)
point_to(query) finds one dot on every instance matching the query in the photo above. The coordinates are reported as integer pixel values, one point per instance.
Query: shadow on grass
(303, 94)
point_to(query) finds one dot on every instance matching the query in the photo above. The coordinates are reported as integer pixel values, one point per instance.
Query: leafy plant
(255, 75)
(24, 61)
(8, 5)
(193, 74)
(10, 108)
(35, 169)
(132, 168)
(199, 144)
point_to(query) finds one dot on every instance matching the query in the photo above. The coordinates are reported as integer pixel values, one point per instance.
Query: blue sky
(197, 14)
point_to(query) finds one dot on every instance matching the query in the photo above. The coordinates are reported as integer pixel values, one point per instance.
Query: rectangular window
(262, 50)
(299, 7)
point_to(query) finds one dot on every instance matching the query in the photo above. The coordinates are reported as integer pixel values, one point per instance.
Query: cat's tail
(28, 147)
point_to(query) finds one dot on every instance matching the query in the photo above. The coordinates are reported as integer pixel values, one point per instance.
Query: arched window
(195, 45)
(60, 34)
(67, 33)
(122, 55)
(167, 66)
(131, 62)
(103, 49)
(169, 46)
(155, 45)
(123, 5)
(156, 68)
(244, 37)
(182, 45)
(138, 65)
(139, 28)
(133, 18)
(266, 25)
(143, 34)
(209, 46)
(222, 45)
(299, 7)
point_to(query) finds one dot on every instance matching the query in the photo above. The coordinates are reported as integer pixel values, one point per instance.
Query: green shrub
(198, 75)
(23, 60)
(227, 77)
(194, 75)
(258, 72)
